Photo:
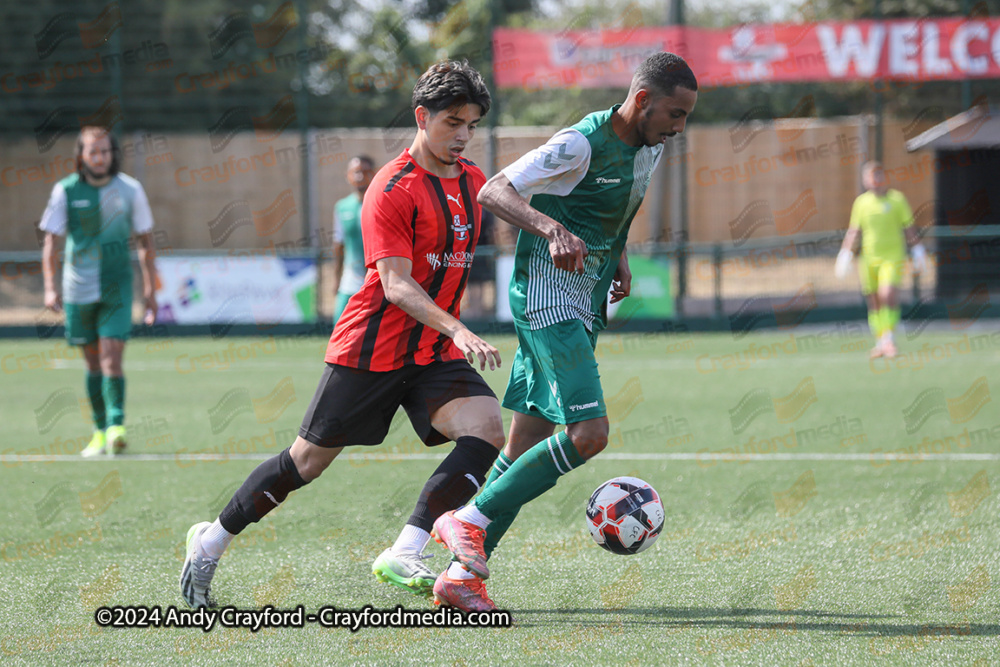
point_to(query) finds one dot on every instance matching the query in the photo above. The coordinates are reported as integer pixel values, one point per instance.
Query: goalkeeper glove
(843, 265)
(919, 256)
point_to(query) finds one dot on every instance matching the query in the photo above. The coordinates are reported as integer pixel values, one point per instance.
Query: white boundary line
(707, 457)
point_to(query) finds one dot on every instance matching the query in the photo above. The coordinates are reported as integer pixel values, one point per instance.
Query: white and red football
(625, 515)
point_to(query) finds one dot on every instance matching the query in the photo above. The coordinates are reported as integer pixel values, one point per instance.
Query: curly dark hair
(664, 72)
(448, 84)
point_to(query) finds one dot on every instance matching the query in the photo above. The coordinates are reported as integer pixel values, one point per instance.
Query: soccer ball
(625, 515)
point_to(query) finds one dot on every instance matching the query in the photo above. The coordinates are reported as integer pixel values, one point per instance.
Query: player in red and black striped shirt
(398, 342)
(432, 222)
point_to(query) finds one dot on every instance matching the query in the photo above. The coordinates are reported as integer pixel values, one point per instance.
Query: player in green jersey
(884, 222)
(348, 248)
(95, 212)
(585, 186)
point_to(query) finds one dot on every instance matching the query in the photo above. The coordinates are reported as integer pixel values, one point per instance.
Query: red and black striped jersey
(432, 221)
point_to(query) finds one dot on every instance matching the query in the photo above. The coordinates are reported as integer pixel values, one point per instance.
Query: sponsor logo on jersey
(453, 260)
(454, 199)
(602, 181)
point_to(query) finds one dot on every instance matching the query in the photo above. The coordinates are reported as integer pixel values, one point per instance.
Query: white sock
(456, 571)
(215, 539)
(471, 514)
(411, 540)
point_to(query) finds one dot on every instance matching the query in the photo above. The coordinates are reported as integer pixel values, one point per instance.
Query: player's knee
(589, 447)
(310, 469)
(314, 463)
(590, 438)
(495, 436)
(310, 461)
(111, 365)
(491, 430)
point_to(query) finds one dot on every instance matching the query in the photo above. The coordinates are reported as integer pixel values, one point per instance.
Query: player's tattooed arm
(500, 197)
(406, 293)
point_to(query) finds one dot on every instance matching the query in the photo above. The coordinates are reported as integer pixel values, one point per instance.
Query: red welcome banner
(915, 50)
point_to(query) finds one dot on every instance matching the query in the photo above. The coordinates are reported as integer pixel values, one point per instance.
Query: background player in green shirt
(348, 247)
(884, 222)
(96, 211)
(585, 186)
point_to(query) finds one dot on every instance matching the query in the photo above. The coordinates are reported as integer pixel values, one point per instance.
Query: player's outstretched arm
(52, 249)
(500, 197)
(403, 291)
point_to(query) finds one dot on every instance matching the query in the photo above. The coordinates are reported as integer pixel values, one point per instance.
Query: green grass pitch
(821, 509)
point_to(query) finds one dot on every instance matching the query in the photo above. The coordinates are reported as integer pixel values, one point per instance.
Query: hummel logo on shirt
(601, 180)
(553, 161)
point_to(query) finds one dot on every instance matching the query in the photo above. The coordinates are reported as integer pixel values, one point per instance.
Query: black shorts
(356, 407)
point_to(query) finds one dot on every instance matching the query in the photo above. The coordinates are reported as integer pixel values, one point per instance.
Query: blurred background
(239, 119)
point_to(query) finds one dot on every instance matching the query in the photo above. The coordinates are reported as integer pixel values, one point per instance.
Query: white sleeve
(338, 228)
(554, 168)
(54, 218)
(142, 216)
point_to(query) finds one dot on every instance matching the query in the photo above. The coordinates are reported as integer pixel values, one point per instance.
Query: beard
(91, 175)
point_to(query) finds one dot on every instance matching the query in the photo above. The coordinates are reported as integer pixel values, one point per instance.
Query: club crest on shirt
(459, 228)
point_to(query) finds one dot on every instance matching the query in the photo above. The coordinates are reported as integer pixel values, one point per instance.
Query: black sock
(266, 488)
(450, 487)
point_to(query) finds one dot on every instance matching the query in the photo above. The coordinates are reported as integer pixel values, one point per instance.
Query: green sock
(95, 392)
(875, 322)
(532, 474)
(498, 468)
(890, 318)
(499, 525)
(114, 398)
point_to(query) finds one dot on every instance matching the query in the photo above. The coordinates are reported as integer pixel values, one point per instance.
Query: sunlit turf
(827, 560)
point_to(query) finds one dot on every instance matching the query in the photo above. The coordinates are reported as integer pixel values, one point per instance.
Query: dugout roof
(979, 127)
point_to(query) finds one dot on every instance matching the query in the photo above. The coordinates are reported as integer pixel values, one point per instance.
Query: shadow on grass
(809, 620)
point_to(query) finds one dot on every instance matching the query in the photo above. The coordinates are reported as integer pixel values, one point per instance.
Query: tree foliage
(213, 64)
